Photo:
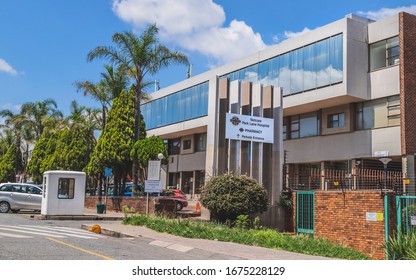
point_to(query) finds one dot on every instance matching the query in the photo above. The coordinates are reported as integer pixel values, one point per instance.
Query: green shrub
(228, 196)
(402, 246)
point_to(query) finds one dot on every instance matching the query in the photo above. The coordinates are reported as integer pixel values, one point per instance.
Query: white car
(17, 196)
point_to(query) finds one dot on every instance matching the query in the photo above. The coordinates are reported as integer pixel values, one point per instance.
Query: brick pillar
(407, 41)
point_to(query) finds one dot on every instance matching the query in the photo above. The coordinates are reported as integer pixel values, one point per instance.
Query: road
(22, 238)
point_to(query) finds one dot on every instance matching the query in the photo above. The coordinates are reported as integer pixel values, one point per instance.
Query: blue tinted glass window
(296, 71)
(336, 59)
(284, 73)
(309, 68)
(184, 105)
(323, 67)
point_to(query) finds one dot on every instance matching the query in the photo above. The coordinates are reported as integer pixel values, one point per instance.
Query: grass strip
(267, 238)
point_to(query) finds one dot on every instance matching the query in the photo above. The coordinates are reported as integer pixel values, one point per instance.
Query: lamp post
(385, 161)
(160, 157)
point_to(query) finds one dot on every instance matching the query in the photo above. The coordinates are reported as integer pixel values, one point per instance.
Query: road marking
(80, 249)
(70, 232)
(16, 229)
(57, 232)
(14, 235)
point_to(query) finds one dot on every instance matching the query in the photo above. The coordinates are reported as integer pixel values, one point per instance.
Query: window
(294, 127)
(377, 113)
(66, 188)
(309, 67)
(200, 142)
(174, 147)
(336, 120)
(384, 53)
(304, 125)
(285, 120)
(187, 144)
(177, 107)
(393, 110)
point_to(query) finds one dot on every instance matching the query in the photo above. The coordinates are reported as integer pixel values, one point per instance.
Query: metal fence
(406, 213)
(305, 212)
(334, 179)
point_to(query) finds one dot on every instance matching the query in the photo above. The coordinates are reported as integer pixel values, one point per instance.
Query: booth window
(66, 188)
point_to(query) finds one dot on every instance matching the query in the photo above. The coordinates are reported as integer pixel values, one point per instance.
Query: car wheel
(179, 206)
(4, 207)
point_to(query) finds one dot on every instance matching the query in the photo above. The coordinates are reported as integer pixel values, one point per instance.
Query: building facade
(348, 100)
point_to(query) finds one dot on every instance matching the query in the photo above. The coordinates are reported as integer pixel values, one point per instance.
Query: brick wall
(407, 41)
(341, 218)
(138, 203)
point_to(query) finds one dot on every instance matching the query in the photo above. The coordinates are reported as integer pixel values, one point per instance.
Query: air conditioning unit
(396, 61)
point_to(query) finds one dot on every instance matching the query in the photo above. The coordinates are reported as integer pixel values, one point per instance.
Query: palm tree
(140, 56)
(39, 115)
(110, 86)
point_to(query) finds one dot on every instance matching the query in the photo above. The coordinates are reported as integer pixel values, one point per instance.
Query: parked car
(17, 196)
(127, 189)
(177, 195)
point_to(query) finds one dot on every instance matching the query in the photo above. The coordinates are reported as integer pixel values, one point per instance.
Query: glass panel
(296, 74)
(284, 73)
(308, 125)
(323, 68)
(274, 71)
(66, 188)
(201, 142)
(336, 59)
(263, 72)
(377, 55)
(309, 73)
(181, 106)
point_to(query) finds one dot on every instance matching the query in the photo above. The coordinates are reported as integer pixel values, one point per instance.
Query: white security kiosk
(63, 193)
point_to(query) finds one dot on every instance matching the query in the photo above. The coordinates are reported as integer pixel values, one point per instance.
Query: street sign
(152, 186)
(153, 168)
(107, 172)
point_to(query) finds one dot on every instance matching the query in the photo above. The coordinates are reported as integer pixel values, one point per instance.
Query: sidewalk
(210, 247)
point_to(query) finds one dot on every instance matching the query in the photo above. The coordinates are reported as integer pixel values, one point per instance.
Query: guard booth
(63, 193)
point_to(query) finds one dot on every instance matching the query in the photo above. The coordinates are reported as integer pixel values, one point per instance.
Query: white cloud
(6, 67)
(193, 25)
(12, 107)
(386, 12)
(291, 34)
(288, 35)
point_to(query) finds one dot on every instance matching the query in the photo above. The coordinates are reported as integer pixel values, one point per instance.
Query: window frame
(335, 123)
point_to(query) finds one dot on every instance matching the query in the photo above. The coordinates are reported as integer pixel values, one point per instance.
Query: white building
(348, 99)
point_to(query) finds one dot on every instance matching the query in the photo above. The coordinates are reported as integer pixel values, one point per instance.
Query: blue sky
(44, 43)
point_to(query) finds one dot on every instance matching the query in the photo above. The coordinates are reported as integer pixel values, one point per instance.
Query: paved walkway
(227, 249)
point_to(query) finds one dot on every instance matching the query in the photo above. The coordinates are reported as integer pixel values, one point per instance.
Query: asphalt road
(22, 238)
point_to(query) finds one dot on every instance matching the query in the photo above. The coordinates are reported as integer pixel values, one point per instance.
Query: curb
(110, 232)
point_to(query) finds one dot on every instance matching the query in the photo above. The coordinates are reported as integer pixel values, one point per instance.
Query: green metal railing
(305, 212)
(406, 213)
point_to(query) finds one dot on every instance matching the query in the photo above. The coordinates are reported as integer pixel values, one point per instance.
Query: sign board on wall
(374, 217)
(249, 128)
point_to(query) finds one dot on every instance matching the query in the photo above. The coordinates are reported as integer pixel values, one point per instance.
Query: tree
(228, 196)
(10, 162)
(110, 87)
(14, 123)
(148, 149)
(41, 114)
(139, 56)
(116, 142)
(34, 167)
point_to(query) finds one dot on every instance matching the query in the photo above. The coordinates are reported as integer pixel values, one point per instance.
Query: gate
(406, 213)
(305, 212)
